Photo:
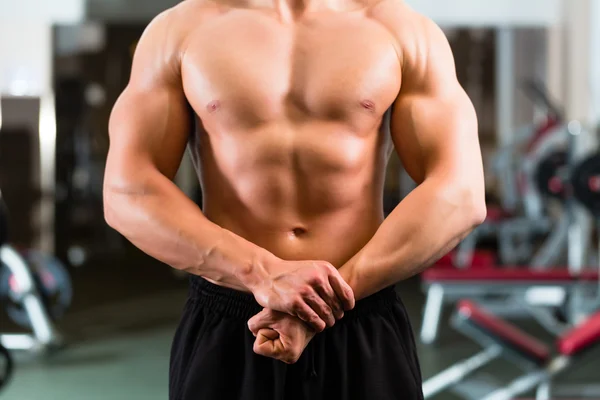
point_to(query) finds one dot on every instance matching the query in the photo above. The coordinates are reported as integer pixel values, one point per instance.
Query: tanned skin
(298, 105)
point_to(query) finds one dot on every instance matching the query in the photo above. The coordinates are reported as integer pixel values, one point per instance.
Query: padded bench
(504, 333)
(444, 285)
(500, 338)
(494, 275)
(580, 338)
(572, 343)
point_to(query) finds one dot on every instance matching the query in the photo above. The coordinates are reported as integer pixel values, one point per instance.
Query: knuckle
(327, 311)
(295, 304)
(305, 291)
(327, 267)
(317, 280)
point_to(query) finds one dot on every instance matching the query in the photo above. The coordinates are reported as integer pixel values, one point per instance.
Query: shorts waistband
(238, 304)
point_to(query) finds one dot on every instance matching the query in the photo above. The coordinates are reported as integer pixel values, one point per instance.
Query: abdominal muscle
(312, 193)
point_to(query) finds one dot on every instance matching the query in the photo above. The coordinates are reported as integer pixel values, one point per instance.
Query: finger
(322, 309)
(263, 319)
(343, 291)
(308, 315)
(266, 335)
(268, 344)
(265, 343)
(328, 295)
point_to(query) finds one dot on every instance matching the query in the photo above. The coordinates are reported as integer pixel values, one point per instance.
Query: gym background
(86, 316)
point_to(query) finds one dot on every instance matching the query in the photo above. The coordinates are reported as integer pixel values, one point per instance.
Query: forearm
(424, 226)
(164, 223)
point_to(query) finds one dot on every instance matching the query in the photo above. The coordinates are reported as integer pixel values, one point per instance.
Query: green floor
(129, 367)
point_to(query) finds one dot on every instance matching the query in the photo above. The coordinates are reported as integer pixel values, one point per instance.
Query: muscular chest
(251, 67)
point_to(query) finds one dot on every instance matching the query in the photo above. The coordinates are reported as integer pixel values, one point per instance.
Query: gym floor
(120, 332)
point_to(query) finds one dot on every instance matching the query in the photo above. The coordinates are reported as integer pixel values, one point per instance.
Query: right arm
(149, 130)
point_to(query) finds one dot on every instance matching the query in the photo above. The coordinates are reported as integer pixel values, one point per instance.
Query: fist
(279, 335)
(313, 291)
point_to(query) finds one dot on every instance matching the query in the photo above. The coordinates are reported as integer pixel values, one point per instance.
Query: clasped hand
(300, 299)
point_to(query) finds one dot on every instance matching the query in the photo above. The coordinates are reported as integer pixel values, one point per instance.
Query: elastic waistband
(222, 300)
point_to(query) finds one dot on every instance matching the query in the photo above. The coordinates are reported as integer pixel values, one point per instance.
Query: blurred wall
(126, 10)
(457, 12)
(25, 58)
(25, 48)
(486, 13)
(595, 61)
(64, 11)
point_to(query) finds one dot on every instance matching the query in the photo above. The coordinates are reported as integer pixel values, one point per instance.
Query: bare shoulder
(176, 23)
(162, 46)
(417, 36)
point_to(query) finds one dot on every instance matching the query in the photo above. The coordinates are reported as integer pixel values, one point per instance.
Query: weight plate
(550, 176)
(53, 282)
(586, 184)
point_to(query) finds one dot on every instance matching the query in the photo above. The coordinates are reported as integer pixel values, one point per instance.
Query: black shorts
(370, 354)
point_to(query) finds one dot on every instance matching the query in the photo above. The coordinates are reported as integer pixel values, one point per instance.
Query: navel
(296, 233)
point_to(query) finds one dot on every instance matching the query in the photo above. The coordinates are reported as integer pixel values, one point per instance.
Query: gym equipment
(28, 296)
(508, 164)
(518, 293)
(521, 218)
(51, 278)
(479, 259)
(501, 339)
(551, 176)
(586, 184)
(45, 336)
(514, 236)
(6, 367)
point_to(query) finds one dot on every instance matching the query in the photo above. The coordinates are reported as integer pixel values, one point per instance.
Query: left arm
(434, 131)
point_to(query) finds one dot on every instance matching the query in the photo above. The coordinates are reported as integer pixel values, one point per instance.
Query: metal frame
(538, 378)
(460, 371)
(517, 301)
(514, 247)
(45, 335)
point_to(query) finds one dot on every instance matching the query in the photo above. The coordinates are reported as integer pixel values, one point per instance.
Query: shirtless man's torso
(296, 105)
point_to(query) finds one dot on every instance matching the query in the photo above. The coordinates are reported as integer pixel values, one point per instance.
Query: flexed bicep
(434, 125)
(151, 122)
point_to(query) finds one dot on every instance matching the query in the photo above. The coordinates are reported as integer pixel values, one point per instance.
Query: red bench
(494, 274)
(571, 343)
(505, 333)
(581, 338)
(480, 259)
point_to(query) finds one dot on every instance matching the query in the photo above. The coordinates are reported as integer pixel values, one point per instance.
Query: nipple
(368, 105)
(213, 106)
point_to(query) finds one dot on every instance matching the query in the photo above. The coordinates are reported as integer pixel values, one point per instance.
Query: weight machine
(521, 216)
(28, 286)
(527, 292)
